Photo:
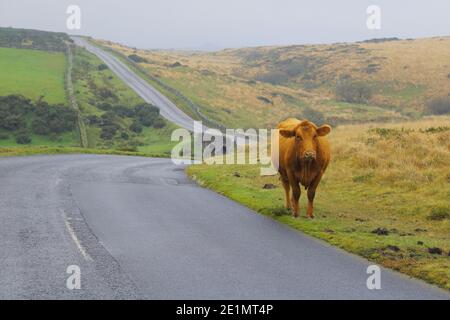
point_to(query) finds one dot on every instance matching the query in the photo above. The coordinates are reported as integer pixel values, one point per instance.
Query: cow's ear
(323, 130)
(287, 133)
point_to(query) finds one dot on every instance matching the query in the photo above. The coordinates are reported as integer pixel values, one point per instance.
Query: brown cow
(304, 154)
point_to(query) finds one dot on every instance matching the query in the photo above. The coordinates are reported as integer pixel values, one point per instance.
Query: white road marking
(74, 237)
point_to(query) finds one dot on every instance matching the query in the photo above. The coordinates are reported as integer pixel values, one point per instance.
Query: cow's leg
(311, 194)
(295, 199)
(295, 193)
(287, 189)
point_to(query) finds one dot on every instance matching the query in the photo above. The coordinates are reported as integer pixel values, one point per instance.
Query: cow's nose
(310, 155)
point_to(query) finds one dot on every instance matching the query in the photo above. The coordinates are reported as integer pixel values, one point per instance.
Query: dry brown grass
(398, 153)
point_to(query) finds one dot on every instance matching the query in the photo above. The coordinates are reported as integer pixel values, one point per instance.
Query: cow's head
(305, 135)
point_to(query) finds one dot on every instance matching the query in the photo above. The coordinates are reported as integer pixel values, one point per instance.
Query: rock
(236, 174)
(269, 186)
(381, 231)
(435, 250)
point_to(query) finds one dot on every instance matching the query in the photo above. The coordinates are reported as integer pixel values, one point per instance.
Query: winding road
(139, 228)
(167, 109)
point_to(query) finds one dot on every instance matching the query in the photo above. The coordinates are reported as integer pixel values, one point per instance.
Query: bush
(40, 127)
(16, 110)
(4, 136)
(56, 119)
(136, 127)
(23, 138)
(353, 91)
(137, 58)
(439, 214)
(105, 93)
(438, 106)
(93, 119)
(108, 132)
(102, 67)
(146, 114)
(124, 135)
(159, 123)
(122, 111)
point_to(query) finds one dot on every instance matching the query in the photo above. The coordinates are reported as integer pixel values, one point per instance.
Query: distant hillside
(375, 80)
(33, 39)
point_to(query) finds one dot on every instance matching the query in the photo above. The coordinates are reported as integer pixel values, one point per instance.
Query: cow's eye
(298, 138)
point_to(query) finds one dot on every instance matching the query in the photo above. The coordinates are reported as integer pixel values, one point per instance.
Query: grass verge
(46, 150)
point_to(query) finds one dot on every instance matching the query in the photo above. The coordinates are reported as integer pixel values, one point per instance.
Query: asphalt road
(139, 228)
(167, 109)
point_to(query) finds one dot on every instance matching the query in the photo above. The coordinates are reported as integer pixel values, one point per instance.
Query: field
(33, 66)
(33, 73)
(257, 87)
(385, 195)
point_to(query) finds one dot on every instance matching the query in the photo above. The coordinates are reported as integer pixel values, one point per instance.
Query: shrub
(23, 138)
(159, 123)
(124, 135)
(102, 67)
(93, 119)
(273, 77)
(56, 119)
(136, 127)
(122, 111)
(353, 91)
(439, 214)
(4, 136)
(108, 131)
(105, 93)
(136, 58)
(438, 106)
(146, 114)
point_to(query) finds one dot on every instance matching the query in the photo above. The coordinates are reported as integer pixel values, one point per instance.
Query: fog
(216, 24)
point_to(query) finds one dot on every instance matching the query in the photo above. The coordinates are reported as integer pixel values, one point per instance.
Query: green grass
(357, 196)
(37, 150)
(87, 75)
(64, 139)
(158, 140)
(33, 74)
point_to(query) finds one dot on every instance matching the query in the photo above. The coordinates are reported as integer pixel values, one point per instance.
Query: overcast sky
(214, 24)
